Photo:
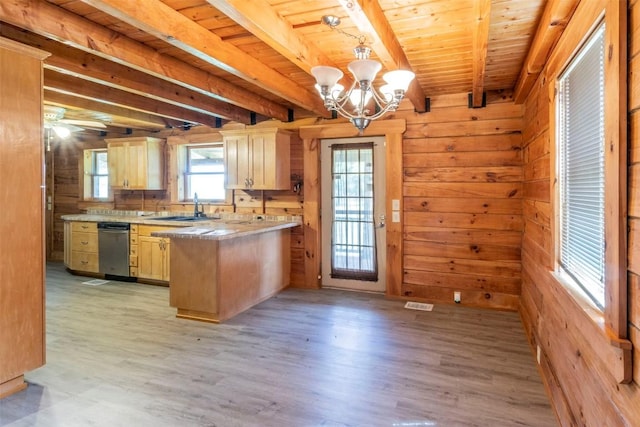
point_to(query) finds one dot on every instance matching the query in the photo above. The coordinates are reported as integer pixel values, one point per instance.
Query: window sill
(617, 355)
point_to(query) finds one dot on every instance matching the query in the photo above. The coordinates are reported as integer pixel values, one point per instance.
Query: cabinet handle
(251, 182)
(84, 262)
(84, 227)
(85, 243)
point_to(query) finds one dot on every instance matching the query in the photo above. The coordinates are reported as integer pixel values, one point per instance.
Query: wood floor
(117, 356)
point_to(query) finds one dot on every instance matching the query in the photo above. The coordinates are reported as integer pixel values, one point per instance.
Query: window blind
(581, 167)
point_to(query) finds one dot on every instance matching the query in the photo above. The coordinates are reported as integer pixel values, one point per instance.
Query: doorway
(353, 213)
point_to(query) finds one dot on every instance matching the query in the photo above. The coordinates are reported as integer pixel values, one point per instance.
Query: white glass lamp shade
(399, 79)
(364, 69)
(326, 76)
(356, 96)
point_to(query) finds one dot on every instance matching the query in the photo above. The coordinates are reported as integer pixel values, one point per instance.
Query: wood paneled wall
(463, 203)
(576, 358)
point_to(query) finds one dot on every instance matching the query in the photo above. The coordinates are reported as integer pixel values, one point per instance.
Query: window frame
(187, 172)
(569, 247)
(177, 167)
(613, 318)
(89, 174)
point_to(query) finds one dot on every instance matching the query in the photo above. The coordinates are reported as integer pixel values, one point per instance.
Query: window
(204, 172)
(96, 175)
(581, 168)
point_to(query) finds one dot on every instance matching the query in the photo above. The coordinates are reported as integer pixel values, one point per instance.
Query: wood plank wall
(577, 377)
(463, 202)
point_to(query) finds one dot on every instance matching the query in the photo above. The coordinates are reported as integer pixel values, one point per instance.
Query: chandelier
(362, 102)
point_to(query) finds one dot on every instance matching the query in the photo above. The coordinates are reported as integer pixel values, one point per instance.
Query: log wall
(463, 194)
(577, 360)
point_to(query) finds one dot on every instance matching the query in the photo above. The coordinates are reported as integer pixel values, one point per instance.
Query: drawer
(133, 229)
(84, 242)
(83, 261)
(133, 250)
(133, 261)
(133, 239)
(86, 227)
(133, 271)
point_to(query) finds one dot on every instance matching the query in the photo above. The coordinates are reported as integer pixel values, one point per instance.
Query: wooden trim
(23, 49)
(392, 130)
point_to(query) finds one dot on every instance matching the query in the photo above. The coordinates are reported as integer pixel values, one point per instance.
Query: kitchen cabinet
(257, 159)
(82, 246)
(136, 163)
(153, 254)
(22, 303)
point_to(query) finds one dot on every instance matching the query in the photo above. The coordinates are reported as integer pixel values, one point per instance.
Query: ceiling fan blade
(87, 123)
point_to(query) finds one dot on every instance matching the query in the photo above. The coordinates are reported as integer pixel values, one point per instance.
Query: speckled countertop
(221, 227)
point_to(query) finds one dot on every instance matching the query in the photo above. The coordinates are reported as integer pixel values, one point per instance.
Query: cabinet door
(117, 158)
(150, 258)
(238, 161)
(263, 161)
(136, 165)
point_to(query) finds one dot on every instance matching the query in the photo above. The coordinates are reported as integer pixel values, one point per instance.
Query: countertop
(207, 229)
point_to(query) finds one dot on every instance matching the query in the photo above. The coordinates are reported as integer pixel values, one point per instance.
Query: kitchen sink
(180, 218)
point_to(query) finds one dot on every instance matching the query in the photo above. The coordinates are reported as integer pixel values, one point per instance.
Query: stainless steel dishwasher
(113, 248)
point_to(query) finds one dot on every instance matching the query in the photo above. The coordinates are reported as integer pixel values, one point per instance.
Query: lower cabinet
(153, 254)
(82, 247)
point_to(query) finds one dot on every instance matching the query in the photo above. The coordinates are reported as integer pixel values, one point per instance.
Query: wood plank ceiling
(151, 64)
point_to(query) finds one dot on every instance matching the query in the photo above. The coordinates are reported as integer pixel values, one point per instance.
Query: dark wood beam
(66, 59)
(73, 85)
(56, 23)
(169, 25)
(119, 116)
(554, 20)
(482, 18)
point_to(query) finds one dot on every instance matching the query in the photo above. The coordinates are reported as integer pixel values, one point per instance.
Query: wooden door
(150, 258)
(136, 165)
(237, 160)
(117, 158)
(260, 166)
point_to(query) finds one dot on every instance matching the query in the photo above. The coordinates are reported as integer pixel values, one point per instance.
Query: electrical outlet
(456, 297)
(538, 354)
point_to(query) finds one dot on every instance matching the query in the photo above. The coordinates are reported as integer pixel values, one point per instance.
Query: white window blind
(581, 167)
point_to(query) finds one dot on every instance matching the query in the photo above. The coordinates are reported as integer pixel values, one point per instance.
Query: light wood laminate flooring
(117, 356)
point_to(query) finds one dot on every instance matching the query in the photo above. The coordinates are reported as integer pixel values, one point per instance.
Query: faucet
(196, 211)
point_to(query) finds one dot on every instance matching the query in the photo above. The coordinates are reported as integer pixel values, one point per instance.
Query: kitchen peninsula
(216, 267)
(220, 270)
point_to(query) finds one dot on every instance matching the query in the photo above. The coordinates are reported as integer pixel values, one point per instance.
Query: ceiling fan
(54, 119)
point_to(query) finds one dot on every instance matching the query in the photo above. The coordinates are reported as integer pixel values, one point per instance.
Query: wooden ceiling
(153, 64)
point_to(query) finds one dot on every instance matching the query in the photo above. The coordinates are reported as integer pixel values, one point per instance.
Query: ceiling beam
(68, 60)
(370, 19)
(83, 88)
(51, 21)
(120, 116)
(263, 21)
(165, 23)
(482, 19)
(555, 17)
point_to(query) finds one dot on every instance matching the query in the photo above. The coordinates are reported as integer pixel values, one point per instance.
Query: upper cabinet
(136, 163)
(257, 159)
